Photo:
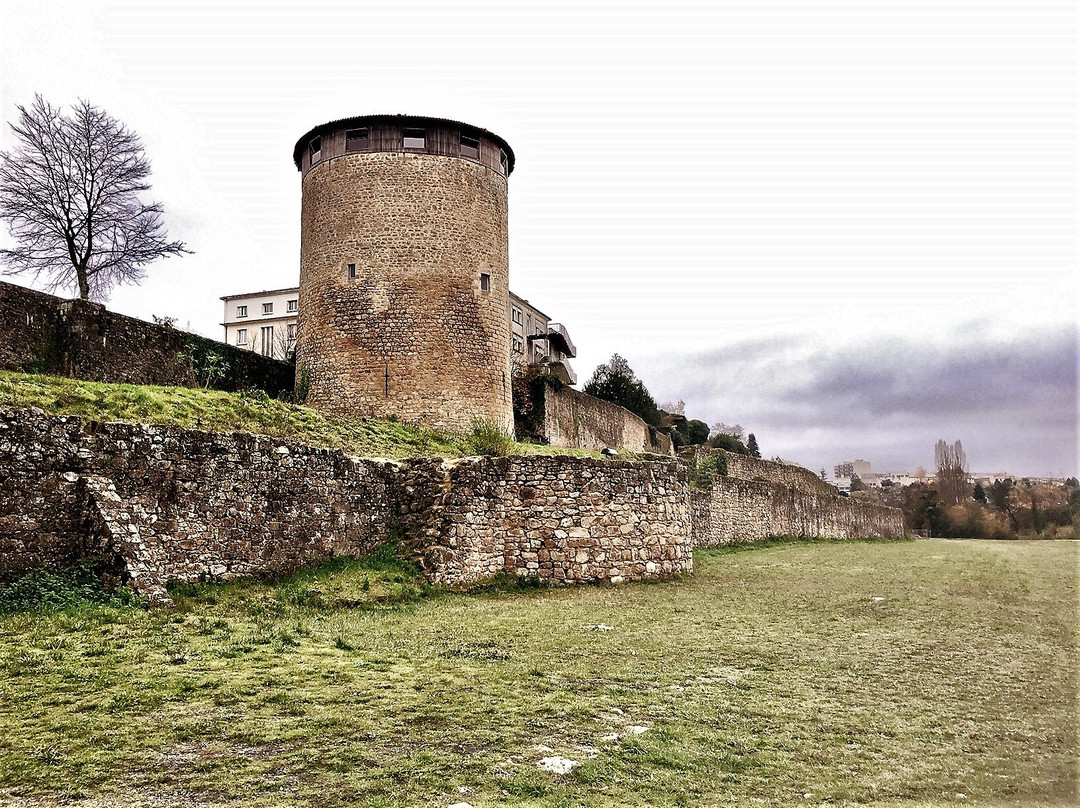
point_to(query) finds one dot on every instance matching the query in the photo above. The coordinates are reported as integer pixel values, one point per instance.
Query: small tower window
(357, 139)
(470, 147)
(314, 149)
(504, 162)
(414, 139)
(352, 272)
(485, 282)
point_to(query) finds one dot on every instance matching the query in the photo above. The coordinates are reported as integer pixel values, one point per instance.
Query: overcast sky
(849, 227)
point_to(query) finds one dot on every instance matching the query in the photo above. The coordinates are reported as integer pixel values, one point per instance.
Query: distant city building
(851, 467)
(263, 321)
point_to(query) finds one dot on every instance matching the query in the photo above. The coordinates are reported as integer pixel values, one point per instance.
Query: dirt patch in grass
(916, 673)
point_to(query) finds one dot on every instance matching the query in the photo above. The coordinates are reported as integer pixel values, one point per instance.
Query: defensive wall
(758, 499)
(568, 418)
(42, 333)
(164, 502)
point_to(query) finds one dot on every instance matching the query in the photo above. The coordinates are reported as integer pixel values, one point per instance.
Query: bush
(49, 588)
(489, 438)
(704, 471)
(729, 443)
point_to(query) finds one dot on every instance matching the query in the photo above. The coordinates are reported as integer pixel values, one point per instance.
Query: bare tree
(69, 192)
(952, 472)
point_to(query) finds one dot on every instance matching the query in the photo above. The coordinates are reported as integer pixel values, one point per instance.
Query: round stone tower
(404, 274)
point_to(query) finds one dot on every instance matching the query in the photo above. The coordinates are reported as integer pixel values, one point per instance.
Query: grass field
(216, 411)
(910, 673)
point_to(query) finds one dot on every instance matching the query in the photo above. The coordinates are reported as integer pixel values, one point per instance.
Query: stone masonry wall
(582, 421)
(46, 334)
(562, 519)
(175, 503)
(166, 502)
(736, 510)
(412, 335)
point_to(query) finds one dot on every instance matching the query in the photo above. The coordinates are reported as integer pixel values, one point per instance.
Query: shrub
(704, 471)
(489, 438)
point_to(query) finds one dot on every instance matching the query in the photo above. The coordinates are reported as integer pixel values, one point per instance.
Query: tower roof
(417, 120)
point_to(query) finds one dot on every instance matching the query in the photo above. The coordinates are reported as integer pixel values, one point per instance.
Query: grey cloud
(1014, 404)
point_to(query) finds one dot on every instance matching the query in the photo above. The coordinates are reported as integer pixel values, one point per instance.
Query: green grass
(255, 412)
(873, 673)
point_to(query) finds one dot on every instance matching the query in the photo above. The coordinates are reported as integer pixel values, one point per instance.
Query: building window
(515, 314)
(356, 139)
(504, 162)
(538, 351)
(470, 147)
(413, 139)
(291, 305)
(241, 336)
(519, 346)
(290, 336)
(266, 334)
(485, 282)
(314, 149)
(241, 311)
(540, 330)
(268, 308)
(352, 272)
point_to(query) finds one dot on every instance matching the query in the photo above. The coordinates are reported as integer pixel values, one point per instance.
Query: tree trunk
(84, 283)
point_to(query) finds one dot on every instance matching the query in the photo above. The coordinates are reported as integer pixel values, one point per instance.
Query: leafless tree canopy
(69, 192)
(952, 472)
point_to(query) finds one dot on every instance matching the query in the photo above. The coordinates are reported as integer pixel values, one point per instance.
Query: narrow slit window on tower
(470, 147)
(485, 282)
(504, 161)
(352, 271)
(314, 148)
(413, 139)
(356, 139)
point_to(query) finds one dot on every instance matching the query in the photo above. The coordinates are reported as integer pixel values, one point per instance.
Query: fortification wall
(165, 502)
(562, 519)
(47, 334)
(175, 503)
(744, 467)
(738, 510)
(574, 419)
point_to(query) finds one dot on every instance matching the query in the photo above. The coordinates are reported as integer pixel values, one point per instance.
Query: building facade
(536, 340)
(264, 322)
(404, 272)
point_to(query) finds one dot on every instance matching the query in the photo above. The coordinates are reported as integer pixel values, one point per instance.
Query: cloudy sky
(849, 227)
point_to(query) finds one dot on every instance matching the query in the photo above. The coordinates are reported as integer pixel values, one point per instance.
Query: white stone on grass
(557, 764)
(597, 627)
(636, 729)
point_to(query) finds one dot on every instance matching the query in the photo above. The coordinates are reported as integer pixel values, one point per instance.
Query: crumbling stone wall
(169, 503)
(176, 503)
(737, 510)
(46, 334)
(561, 519)
(574, 419)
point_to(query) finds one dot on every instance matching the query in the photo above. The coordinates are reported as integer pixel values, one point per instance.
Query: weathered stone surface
(474, 524)
(47, 334)
(762, 498)
(412, 334)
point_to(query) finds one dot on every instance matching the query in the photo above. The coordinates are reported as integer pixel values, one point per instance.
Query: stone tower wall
(413, 335)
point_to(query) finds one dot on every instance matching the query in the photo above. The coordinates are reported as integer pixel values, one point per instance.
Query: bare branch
(70, 194)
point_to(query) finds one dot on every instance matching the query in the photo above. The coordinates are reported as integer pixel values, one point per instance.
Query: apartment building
(536, 340)
(263, 321)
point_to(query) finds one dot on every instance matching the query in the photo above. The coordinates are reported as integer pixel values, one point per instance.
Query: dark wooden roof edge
(420, 120)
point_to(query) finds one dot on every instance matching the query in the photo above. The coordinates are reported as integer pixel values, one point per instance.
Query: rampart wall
(47, 334)
(578, 420)
(561, 519)
(164, 502)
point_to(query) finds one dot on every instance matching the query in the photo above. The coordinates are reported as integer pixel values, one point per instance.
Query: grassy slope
(228, 412)
(772, 675)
